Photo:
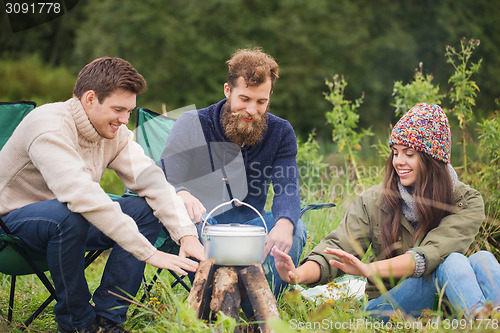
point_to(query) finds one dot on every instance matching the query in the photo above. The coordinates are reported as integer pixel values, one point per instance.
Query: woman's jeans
(466, 283)
(50, 227)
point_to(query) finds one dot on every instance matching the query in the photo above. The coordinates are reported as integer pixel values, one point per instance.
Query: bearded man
(237, 149)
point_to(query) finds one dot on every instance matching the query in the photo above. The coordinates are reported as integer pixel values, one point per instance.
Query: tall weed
(311, 167)
(420, 90)
(167, 311)
(488, 170)
(463, 89)
(344, 118)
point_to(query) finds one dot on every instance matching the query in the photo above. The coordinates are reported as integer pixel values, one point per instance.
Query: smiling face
(406, 162)
(108, 116)
(244, 117)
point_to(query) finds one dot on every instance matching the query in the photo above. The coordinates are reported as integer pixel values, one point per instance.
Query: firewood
(226, 294)
(201, 291)
(259, 295)
(226, 289)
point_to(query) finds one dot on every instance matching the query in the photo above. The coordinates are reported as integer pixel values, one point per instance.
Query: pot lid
(234, 229)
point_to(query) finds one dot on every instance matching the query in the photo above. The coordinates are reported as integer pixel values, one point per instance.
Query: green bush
(30, 79)
(111, 183)
(463, 90)
(311, 167)
(420, 90)
(344, 118)
(488, 170)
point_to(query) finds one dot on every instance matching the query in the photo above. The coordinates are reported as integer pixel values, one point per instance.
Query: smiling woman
(418, 222)
(406, 161)
(420, 174)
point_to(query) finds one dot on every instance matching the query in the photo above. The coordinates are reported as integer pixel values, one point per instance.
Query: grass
(167, 311)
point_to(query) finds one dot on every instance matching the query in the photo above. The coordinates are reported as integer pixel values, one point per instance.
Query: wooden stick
(259, 294)
(201, 291)
(226, 294)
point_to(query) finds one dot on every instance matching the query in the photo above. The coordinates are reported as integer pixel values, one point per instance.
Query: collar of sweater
(88, 134)
(408, 204)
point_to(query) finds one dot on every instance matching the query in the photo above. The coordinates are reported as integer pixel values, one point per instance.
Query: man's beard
(240, 132)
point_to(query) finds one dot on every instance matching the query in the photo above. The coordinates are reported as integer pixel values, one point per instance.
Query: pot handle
(228, 203)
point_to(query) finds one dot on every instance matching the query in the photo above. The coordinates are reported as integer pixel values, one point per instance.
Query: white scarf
(406, 192)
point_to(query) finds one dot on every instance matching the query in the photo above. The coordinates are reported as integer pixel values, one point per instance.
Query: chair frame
(178, 279)
(19, 247)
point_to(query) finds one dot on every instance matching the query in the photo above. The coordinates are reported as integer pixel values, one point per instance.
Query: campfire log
(201, 291)
(259, 294)
(225, 288)
(226, 294)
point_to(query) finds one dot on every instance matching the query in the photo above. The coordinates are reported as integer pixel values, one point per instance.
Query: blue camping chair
(16, 258)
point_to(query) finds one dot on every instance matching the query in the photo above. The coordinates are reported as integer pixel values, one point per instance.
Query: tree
(181, 47)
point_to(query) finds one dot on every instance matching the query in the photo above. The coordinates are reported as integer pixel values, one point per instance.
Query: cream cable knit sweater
(55, 152)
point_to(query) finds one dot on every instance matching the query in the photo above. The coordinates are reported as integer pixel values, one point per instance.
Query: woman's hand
(285, 266)
(349, 264)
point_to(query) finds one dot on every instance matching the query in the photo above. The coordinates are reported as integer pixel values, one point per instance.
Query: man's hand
(280, 236)
(285, 266)
(194, 207)
(191, 247)
(169, 261)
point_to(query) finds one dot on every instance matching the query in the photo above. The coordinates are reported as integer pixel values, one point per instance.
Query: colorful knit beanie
(424, 128)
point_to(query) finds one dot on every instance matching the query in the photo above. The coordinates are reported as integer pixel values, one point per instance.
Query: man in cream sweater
(51, 198)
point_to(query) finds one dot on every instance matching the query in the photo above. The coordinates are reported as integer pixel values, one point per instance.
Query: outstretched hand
(175, 263)
(191, 247)
(349, 263)
(285, 266)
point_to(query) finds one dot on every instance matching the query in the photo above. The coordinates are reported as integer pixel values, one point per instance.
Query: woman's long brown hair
(432, 192)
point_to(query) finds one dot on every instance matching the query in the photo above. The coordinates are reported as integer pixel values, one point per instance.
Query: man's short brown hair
(253, 65)
(105, 75)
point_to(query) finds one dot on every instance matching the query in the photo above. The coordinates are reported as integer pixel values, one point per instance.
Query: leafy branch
(344, 118)
(420, 90)
(464, 89)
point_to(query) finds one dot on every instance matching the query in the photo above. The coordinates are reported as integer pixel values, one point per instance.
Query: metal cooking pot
(234, 244)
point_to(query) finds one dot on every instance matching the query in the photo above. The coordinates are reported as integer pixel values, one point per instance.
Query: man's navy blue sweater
(271, 160)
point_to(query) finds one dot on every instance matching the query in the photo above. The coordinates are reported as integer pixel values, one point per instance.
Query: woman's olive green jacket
(362, 227)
